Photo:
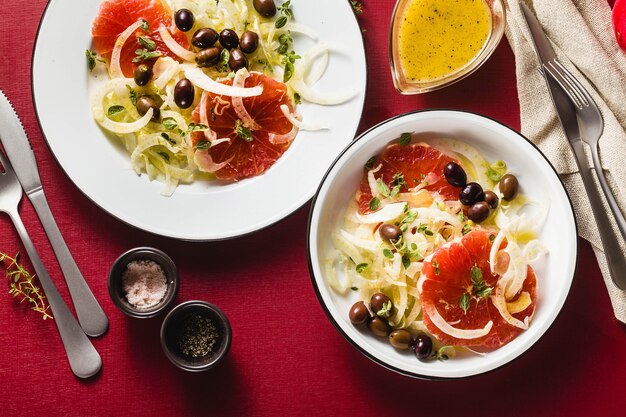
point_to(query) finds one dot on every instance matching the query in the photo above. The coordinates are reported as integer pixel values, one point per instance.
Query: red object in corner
(619, 22)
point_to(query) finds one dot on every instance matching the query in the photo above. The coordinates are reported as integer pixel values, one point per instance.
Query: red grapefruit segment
(247, 158)
(116, 15)
(448, 275)
(416, 162)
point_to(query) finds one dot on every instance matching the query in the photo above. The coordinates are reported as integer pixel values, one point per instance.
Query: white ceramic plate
(538, 180)
(205, 210)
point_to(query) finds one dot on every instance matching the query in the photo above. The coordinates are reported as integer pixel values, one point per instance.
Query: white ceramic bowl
(538, 180)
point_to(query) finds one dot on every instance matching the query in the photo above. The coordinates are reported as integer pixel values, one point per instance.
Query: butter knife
(18, 149)
(567, 115)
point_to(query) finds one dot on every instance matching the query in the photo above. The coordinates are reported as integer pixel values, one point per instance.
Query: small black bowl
(172, 326)
(115, 281)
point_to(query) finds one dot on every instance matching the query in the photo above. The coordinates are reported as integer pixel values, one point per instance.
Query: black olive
(389, 231)
(145, 103)
(423, 346)
(509, 186)
(229, 39)
(184, 93)
(478, 211)
(455, 174)
(184, 19)
(381, 305)
(143, 74)
(401, 339)
(471, 193)
(379, 326)
(248, 42)
(492, 199)
(208, 57)
(265, 8)
(359, 314)
(204, 38)
(237, 60)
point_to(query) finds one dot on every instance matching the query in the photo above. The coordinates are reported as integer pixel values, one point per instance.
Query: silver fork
(83, 357)
(591, 124)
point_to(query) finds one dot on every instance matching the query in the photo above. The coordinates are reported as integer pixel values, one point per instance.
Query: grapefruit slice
(448, 279)
(249, 157)
(116, 15)
(419, 163)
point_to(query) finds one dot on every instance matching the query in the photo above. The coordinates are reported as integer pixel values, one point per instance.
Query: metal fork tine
(574, 90)
(573, 81)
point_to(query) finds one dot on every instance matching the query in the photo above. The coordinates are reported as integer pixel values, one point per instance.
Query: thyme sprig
(23, 285)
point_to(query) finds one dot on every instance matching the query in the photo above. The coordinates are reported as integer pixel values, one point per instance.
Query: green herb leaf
(405, 139)
(436, 265)
(374, 203)
(113, 110)
(361, 267)
(382, 187)
(169, 123)
(165, 155)
(280, 22)
(144, 54)
(464, 302)
(466, 229)
(387, 253)
(202, 145)
(243, 132)
(354, 288)
(406, 260)
(145, 25)
(92, 59)
(441, 354)
(288, 73)
(297, 99)
(370, 163)
(385, 311)
(147, 43)
(478, 283)
(132, 95)
(492, 237)
(222, 66)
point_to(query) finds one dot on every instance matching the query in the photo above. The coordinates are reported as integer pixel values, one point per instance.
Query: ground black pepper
(197, 336)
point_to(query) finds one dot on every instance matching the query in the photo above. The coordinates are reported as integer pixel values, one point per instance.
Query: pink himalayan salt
(144, 283)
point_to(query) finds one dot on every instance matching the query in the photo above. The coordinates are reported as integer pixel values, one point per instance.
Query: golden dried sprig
(23, 285)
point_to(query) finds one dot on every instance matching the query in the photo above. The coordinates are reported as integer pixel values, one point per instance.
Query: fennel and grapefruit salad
(439, 246)
(205, 89)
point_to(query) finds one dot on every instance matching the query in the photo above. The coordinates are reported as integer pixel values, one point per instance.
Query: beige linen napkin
(582, 36)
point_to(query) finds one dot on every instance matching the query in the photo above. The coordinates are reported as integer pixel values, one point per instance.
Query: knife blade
(566, 113)
(20, 153)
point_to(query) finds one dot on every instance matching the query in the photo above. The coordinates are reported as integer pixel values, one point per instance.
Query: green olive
(401, 339)
(509, 186)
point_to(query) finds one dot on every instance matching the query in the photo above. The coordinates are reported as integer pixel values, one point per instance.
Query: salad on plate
(438, 244)
(205, 89)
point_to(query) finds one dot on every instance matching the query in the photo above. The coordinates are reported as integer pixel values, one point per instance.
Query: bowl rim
(173, 281)
(215, 312)
(328, 313)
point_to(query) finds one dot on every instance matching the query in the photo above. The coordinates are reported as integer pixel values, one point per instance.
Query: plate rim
(265, 225)
(330, 316)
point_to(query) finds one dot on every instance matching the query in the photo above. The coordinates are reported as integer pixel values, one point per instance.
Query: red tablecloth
(286, 357)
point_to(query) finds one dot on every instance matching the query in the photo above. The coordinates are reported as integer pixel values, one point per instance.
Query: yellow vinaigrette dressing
(438, 37)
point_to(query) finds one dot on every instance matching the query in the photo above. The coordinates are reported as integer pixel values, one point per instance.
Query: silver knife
(18, 149)
(567, 115)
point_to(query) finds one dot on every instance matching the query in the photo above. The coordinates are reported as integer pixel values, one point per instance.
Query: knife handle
(90, 315)
(617, 213)
(615, 258)
(82, 356)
